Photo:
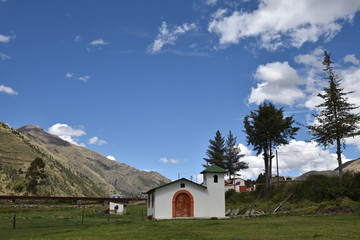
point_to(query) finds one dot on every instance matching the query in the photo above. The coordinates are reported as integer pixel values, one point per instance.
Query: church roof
(214, 169)
(181, 179)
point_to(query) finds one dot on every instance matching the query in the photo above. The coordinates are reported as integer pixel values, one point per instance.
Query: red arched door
(183, 204)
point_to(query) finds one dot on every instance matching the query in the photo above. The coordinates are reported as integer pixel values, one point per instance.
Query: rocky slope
(72, 170)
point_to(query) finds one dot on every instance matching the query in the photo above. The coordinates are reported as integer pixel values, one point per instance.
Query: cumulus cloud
(278, 83)
(67, 133)
(284, 23)
(97, 141)
(314, 81)
(98, 42)
(352, 59)
(4, 39)
(111, 158)
(297, 156)
(167, 36)
(7, 90)
(165, 160)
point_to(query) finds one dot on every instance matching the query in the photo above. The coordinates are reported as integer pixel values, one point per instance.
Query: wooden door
(182, 205)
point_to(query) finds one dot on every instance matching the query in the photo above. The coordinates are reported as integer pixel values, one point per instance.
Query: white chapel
(186, 199)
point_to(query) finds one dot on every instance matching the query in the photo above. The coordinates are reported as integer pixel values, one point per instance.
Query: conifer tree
(336, 120)
(232, 156)
(216, 151)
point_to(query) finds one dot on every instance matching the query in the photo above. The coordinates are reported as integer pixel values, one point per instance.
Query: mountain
(328, 173)
(72, 170)
(353, 165)
(350, 166)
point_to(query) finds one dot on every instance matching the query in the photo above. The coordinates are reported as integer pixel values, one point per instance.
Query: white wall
(120, 210)
(208, 202)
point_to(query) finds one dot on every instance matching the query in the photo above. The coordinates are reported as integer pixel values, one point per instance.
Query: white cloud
(98, 42)
(350, 81)
(84, 78)
(69, 75)
(198, 178)
(97, 141)
(67, 133)
(211, 2)
(297, 156)
(4, 39)
(165, 160)
(77, 38)
(167, 36)
(111, 158)
(93, 140)
(4, 57)
(314, 81)
(7, 90)
(284, 23)
(351, 58)
(278, 82)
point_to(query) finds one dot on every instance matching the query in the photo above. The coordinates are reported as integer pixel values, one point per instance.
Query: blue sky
(148, 83)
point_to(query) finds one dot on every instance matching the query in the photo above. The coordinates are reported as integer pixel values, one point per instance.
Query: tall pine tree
(336, 120)
(216, 152)
(232, 157)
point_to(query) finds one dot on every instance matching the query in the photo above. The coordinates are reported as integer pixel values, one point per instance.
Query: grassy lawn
(66, 224)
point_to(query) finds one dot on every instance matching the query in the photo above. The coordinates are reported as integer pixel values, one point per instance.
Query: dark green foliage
(216, 151)
(267, 128)
(260, 178)
(233, 197)
(232, 156)
(336, 120)
(351, 183)
(35, 175)
(318, 188)
(20, 186)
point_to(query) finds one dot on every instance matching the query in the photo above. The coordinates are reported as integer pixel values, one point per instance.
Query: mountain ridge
(73, 170)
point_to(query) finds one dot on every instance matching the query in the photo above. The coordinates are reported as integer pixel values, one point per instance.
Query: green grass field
(67, 224)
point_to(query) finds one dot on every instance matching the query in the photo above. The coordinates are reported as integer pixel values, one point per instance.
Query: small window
(215, 178)
(182, 185)
(149, 197)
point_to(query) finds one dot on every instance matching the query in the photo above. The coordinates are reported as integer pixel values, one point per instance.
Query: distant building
(282, 179)
(116, 196)
(237, 184)
(184, 198)
(117, 208)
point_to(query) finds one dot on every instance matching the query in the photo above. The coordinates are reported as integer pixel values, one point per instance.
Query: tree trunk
(266, 161)
(338, 152)
(270, 167)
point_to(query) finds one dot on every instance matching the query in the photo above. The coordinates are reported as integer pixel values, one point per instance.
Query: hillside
(72, 170)
(350, 166)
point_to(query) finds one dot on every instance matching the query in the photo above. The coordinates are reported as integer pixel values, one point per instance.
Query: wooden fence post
(14, 221)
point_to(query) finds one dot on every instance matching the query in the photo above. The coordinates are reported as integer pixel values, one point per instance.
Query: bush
(351, 185)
